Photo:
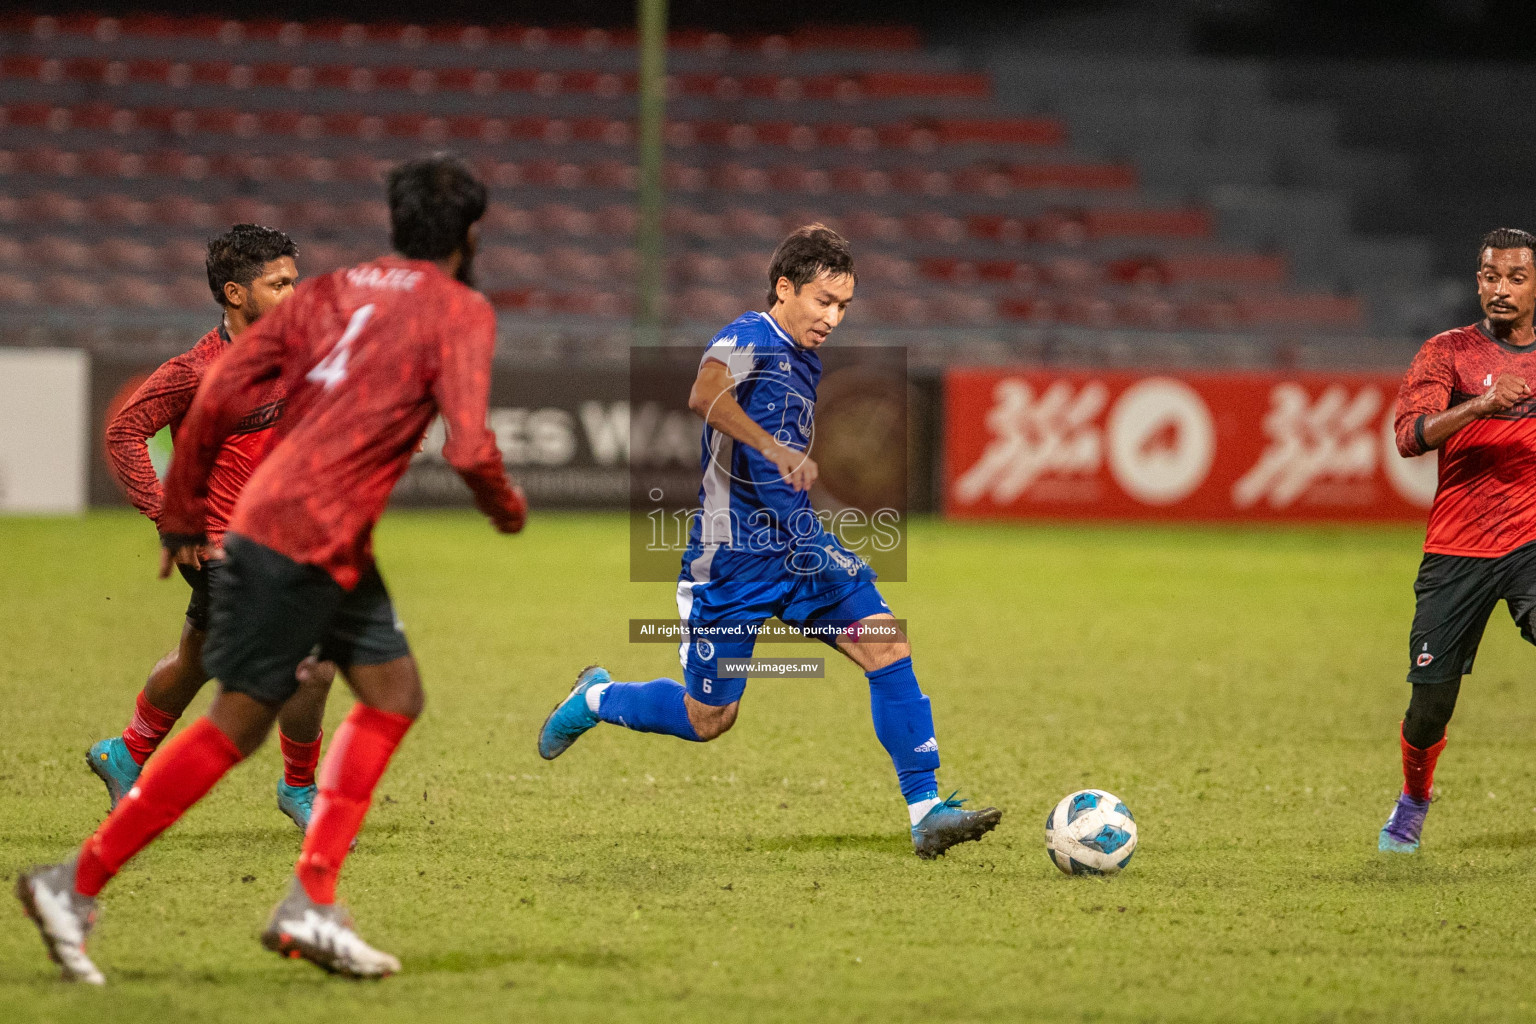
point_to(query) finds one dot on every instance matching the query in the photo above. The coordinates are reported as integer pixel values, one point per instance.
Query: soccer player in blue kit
(757, 549)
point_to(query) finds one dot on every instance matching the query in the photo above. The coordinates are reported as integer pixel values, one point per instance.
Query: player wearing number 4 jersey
(758, 549)
(1468, 395)
(368, 357)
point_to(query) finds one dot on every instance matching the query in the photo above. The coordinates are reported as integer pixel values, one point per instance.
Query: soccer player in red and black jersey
(369, 356)
(250, 270)
(1467, 395)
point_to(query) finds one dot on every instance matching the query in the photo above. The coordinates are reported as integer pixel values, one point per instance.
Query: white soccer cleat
(63, 917)
(323, 935)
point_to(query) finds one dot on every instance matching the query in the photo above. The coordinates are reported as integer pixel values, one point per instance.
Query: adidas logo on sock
(931, 747)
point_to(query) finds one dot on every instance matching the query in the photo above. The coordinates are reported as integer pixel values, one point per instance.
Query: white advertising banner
(43, 422)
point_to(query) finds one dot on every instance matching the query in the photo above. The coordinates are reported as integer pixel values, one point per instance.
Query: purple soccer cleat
(1401, 832)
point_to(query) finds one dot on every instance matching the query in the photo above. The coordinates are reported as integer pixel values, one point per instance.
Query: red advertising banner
(1202, 446)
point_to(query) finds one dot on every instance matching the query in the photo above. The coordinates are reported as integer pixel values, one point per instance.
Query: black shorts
(268, 613)
(1455, 595)
(197, 579)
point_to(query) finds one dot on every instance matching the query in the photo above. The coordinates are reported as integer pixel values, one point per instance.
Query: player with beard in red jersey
(1467, 395)
(250, 270)
(369, 356)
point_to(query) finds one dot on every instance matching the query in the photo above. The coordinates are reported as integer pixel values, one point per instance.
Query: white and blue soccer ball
(1090, 832)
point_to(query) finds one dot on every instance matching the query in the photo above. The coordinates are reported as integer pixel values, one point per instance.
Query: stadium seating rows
(1187, 274)
(896, 308)
(925, 135)
(475, 38)
(361, 78)
(992, 180)
(119, 163)
(179, 210)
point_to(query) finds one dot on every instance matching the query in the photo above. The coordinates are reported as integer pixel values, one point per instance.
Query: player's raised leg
(659, 705)
(61, 898)
(903, 719)
(172, 684)
(701, 708)
(1422, 738)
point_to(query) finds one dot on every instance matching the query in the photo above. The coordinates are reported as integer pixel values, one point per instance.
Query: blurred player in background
(250, 270)
(369, 356)
(758, 549)
(1467, 395)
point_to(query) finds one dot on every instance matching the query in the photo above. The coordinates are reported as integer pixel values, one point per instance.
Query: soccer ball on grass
(1090, 832)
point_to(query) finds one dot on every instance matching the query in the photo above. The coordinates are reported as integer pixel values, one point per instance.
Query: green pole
(653, 102)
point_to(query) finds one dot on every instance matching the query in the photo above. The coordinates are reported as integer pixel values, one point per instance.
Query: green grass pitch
(1240, 689)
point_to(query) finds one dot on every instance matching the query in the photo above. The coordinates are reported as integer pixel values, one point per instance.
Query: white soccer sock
(920, 809)
(595, 696)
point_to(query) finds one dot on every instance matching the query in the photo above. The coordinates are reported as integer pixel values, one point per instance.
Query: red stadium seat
(66, 290)
(186, 291)
(61, 252)
(18, 291)
(557, 218)
(1135, 223)
(126, 290)
(246, 210)
(183, 211)
(962, 307)
(504, 217)
(119, 210)
(618, 221)
(1072, 272)
(53, 207)
(123, 253)
(183, 253)
(506, 262)
(568, 263)
(932, 226)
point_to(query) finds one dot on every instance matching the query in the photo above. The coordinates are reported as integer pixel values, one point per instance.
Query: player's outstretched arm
(463, 390)
(713, 398)
(160, 401)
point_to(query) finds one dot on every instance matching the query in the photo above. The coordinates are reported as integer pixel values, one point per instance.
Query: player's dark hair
(242, 253)
(1507, 238)
(807, 253)
(432, 202)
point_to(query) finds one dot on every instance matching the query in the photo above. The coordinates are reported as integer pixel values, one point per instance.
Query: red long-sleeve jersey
(1485, 504)
(162, 401)
(368, 356)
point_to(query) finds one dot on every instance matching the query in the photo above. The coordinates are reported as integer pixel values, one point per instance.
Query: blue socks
(904, 724)
(656, 706)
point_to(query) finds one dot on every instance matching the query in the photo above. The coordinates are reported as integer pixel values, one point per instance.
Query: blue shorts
(725, 596)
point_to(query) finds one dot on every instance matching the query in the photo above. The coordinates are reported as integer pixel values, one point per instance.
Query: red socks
(186, 769)
(1419, 767)
(148, 728)
(299, 759)
(359, 754)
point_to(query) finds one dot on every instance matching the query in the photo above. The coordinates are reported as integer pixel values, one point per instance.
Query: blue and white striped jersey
(745, 504)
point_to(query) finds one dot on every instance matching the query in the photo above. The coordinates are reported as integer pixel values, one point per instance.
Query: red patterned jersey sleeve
(1426, 390)
(462, 392)
(232, 387)
(161, 401)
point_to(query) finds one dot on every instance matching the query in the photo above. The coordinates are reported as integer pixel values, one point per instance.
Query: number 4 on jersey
(332, 370)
